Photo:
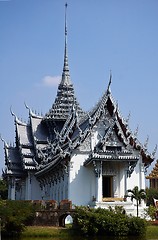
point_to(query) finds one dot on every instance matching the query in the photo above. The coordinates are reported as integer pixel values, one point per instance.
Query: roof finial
(110, 80)
(136, 132)
(128, 117)
(66, 75)
(12, 113)
(154, 152)
(146, 142)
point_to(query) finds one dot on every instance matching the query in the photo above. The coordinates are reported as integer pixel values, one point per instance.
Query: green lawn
(152, 231)
(45, 231)
(40, 232)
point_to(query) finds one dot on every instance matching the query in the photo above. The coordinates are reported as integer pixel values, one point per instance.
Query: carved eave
(112, 156)
(69, 126)
(65, 141)
(53, 175)
(51, 167)
(56, 152)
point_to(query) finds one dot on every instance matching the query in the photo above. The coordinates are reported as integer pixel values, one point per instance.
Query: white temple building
(90, 158)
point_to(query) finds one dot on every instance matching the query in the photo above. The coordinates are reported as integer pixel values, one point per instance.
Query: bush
(137, 226)
(112, 222)
(150, 212)
(15, 215)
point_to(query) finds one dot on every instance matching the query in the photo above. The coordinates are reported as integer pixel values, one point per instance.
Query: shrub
(150, 212)
(137, 226)
(113, 222)
(15, 215)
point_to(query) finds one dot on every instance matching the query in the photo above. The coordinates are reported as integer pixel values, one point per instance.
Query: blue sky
(104, 35)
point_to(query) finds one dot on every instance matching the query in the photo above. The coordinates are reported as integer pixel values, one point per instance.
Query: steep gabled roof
(25, 144)
(75, 131)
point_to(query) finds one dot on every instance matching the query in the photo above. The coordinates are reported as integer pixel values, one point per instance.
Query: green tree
(151, 193)
(136, 194)
(15, 215)
(3, 189)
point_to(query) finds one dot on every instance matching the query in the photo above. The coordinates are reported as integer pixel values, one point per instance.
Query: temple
(90, 158)
(153, 176)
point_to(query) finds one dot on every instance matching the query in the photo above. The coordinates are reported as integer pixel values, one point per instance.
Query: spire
(65, 98)
(66, 74)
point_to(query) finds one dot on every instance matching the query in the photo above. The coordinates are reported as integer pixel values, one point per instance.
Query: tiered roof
(154, 172)
(65, 98)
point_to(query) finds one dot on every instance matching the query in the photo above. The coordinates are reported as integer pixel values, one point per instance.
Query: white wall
(81, 181)
(35, 190)
(137, 178)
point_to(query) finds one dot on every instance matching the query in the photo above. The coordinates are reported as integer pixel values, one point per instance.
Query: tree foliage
(151, 193)
(15, 215)
(3, 189)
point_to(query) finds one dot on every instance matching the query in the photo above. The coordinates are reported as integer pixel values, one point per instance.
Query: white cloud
(51, 81)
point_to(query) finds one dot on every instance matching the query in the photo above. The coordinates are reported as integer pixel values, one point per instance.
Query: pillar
(28, 187)
(12, 189)
(98, 173)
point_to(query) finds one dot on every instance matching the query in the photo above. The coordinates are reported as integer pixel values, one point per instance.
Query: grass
(45, 231)
(152, 231)
(67, 233)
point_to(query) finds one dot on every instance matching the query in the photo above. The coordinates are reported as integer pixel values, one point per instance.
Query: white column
(99, 188)
(125, 181)
(98, 173)
(12, 193)
(28, 187)
(142, 176)
(115, 188)
(126, 177)
(69, 170)
(142, 182)
(9, 191)
(64, 187)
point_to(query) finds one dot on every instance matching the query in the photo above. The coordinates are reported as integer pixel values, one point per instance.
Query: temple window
(114, 148)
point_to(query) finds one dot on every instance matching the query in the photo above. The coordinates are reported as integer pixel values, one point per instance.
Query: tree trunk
(137, 207)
